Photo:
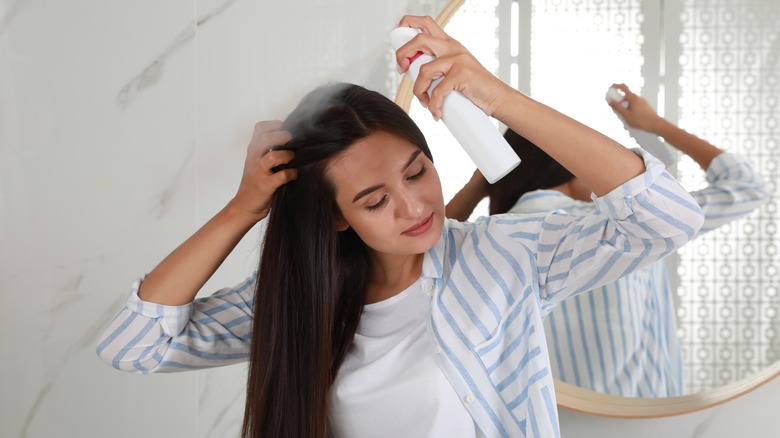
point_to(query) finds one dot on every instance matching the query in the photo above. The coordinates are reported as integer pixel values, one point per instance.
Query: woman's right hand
(259, 180)
(179, 277)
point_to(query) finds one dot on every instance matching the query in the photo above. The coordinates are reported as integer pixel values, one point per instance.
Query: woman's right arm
(147, 337)
(179, 277)
(160, 327)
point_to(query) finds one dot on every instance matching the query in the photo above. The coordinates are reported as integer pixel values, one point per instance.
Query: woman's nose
(408, 204)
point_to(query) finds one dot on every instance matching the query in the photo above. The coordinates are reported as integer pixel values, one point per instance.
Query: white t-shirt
(389, 384)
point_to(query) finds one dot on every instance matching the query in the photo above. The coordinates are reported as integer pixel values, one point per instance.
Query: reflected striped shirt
(492, 282)
(622, 338)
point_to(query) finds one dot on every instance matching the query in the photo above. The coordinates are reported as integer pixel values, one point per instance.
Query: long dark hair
(312, 279)
(537, 170)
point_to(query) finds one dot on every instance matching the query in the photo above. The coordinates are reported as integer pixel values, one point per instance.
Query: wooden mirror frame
(585, 401)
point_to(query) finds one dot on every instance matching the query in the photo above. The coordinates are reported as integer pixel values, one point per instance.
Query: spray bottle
(470, 126)
(616, 95)
(644, 139)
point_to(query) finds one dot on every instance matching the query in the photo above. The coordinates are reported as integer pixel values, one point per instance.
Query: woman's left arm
(636, 224)
(642, 213)
(601, 163)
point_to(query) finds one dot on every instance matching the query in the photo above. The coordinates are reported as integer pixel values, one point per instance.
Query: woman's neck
(391, 275)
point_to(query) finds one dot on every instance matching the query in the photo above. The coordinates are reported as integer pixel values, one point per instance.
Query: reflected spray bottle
(470, 126)
(646, 140)
(616, 95)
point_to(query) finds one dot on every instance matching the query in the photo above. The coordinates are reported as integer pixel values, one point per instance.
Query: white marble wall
(122, 129)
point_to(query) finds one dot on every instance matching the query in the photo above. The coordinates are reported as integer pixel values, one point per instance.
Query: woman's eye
(418, 174)
(378, 204)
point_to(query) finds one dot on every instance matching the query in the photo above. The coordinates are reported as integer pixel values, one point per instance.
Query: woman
(371, 315)
(620, 338)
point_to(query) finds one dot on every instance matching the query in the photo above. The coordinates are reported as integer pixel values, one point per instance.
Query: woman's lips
(420, 228)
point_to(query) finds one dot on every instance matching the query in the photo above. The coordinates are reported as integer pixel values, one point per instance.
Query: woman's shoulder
(493, 227)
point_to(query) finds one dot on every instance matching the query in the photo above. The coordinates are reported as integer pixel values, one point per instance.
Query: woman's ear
(341, 224)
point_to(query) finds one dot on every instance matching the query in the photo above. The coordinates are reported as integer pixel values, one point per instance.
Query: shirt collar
(434, 257)
(539, 201)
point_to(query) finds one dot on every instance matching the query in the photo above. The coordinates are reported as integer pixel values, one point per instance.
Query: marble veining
(87, 341)
(163, 201)
(39, 398)
(704, 426)
(152, 73)
(218, 11)
(228, 385)
(221, 415)
(11, 13)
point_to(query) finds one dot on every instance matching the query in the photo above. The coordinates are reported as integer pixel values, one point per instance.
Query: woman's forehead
(371, 158)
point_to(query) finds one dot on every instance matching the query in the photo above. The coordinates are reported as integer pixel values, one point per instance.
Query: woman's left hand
(461, 70)
(639, 114)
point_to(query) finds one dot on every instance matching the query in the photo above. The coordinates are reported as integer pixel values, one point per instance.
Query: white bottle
(615, 95)
(470, 126)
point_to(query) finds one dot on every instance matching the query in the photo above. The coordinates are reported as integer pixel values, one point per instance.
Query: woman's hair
(537, 170)
(312, 279)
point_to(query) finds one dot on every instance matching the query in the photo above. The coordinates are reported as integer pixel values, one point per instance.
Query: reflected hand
(461, 70)
(478, 184)
(463, 203)
(639, 114)
(261, 177)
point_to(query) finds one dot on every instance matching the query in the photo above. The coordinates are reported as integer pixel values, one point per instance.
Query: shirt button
(469, 398)
(437, 349)
(428, 288)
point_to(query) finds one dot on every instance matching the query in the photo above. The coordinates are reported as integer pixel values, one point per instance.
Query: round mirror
(565, 54)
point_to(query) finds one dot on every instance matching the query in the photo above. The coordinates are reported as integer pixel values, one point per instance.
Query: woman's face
(389, 193)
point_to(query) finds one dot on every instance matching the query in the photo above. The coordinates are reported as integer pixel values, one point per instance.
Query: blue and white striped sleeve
(211, 331)
(734, 191)
(636, 224)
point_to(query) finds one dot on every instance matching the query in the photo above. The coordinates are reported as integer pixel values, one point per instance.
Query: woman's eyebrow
(411, 159)
(367, 191)
(379, 186)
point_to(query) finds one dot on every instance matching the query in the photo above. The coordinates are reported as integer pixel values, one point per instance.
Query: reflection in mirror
(729, 278)
(694, 70)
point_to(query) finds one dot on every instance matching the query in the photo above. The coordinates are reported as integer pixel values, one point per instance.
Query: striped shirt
(492, 283)
(622, 338)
